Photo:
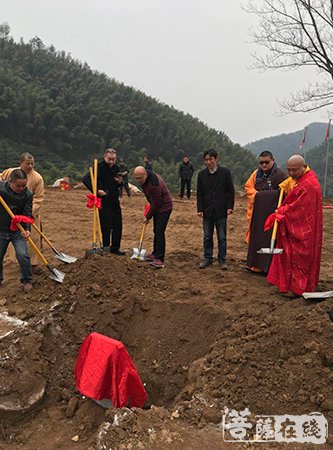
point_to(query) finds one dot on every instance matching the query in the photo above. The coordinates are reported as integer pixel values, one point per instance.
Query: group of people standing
(299, 214)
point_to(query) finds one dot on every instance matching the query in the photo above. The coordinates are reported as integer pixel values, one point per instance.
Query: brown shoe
(27, 286)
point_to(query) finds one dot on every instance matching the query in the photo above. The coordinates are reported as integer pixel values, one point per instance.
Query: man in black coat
(215, 201)
(109, 179)
(185, 173)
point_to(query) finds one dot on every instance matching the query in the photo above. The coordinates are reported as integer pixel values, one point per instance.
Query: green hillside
(316, 158)
(68, 114)
(285, 145)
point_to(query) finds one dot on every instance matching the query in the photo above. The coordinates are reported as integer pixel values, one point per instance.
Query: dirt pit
(201, 340)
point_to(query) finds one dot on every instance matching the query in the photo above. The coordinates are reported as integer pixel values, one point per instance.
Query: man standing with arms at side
(35, 184)
(185, 174)
(215, 202)
(19, 199)
(300, 230)
(160, 210)
(108, 182)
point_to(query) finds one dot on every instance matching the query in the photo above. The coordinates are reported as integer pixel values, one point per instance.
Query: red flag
(303, 139)
(327, 131)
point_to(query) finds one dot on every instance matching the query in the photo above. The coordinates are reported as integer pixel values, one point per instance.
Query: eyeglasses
(265, 162)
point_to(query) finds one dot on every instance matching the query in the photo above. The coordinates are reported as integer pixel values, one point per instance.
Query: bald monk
(299, 233)
(262, 191)
(160, 201)
(35, 185)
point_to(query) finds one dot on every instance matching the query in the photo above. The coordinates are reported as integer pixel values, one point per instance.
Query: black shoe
(118, 252)
(205, 264)
(223, 265)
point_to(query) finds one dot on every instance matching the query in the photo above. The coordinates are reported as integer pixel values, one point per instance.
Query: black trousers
(184, 183)
(127, 189)
(111, 220)
(160, 223)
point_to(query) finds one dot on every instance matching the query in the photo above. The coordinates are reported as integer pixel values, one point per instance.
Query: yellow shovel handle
(92, 178)
(19, 226)
(275, 227)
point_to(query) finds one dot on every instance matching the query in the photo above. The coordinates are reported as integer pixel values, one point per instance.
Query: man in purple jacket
(160, 202)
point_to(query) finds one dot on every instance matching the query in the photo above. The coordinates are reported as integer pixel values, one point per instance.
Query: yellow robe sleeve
(250, 192)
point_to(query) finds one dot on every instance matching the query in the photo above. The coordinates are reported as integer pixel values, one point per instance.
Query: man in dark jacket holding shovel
(109, 179)
(19, 199)
(160, 201)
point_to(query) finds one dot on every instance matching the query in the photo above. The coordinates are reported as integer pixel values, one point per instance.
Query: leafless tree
(296, 34)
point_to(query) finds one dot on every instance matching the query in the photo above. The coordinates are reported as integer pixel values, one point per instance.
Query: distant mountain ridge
(284, 145)
(68, 114)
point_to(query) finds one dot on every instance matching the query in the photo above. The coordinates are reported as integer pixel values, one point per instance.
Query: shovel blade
(65, 258)
(139, 254)
(56, 274)
(268, 251)
(94, 251)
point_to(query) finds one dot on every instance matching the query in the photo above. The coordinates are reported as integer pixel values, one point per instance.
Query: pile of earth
(201, 340)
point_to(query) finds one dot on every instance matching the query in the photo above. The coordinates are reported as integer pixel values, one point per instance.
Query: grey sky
(191, 54)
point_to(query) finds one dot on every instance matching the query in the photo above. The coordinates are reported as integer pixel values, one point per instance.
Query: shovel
(140, 253)
(59, 255)
(96, 221)
(56, 274)
(271, 250)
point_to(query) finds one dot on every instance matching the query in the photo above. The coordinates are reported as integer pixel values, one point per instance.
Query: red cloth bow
(93, 200)
(147, 208)
(19, 219)
(271, 219)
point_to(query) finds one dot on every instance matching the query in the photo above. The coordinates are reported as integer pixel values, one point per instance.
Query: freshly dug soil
(201, 340)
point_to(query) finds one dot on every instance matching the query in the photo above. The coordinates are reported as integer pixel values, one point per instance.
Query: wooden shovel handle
(275, 227)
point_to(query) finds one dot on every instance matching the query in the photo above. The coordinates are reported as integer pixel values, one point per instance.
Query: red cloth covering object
(104, 370)
(19, 219)
(300, 236)
(93, 200)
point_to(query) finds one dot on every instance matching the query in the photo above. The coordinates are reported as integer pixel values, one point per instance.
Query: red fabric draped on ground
(104, 370)
(300, 237)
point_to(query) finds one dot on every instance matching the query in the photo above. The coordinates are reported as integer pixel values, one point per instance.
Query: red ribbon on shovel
(271, 219)
(93, 200)
(147, 208)
(19, 219)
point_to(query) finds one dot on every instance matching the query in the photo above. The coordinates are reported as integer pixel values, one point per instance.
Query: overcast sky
(192, 54)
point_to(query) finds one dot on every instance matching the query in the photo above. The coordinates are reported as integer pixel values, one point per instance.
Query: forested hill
(316, 158)
(285, 145)
(68, 113)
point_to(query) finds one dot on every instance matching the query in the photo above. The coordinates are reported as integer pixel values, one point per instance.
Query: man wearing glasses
(109, 179)
(262, 191)
(215, 202)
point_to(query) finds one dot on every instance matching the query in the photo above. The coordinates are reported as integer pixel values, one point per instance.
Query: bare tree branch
(296, 33)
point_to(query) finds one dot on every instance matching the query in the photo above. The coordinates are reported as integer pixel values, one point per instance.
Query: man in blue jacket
(215, 201)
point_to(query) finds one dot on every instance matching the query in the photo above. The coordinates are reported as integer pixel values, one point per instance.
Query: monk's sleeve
(38, 197)
(4, 176)
(249, 188)
(296, 214)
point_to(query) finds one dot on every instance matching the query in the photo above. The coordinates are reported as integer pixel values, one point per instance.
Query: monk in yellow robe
(262, 191)
(35, 184)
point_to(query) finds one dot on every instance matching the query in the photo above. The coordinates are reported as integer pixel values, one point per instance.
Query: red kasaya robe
(300, 232)
(104, 370)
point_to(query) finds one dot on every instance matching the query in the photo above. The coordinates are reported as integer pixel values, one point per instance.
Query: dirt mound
(201, 341)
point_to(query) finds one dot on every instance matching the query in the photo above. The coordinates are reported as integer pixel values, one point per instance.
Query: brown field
(201, 340)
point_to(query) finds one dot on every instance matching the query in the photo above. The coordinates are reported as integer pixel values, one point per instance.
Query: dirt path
(201, 340)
